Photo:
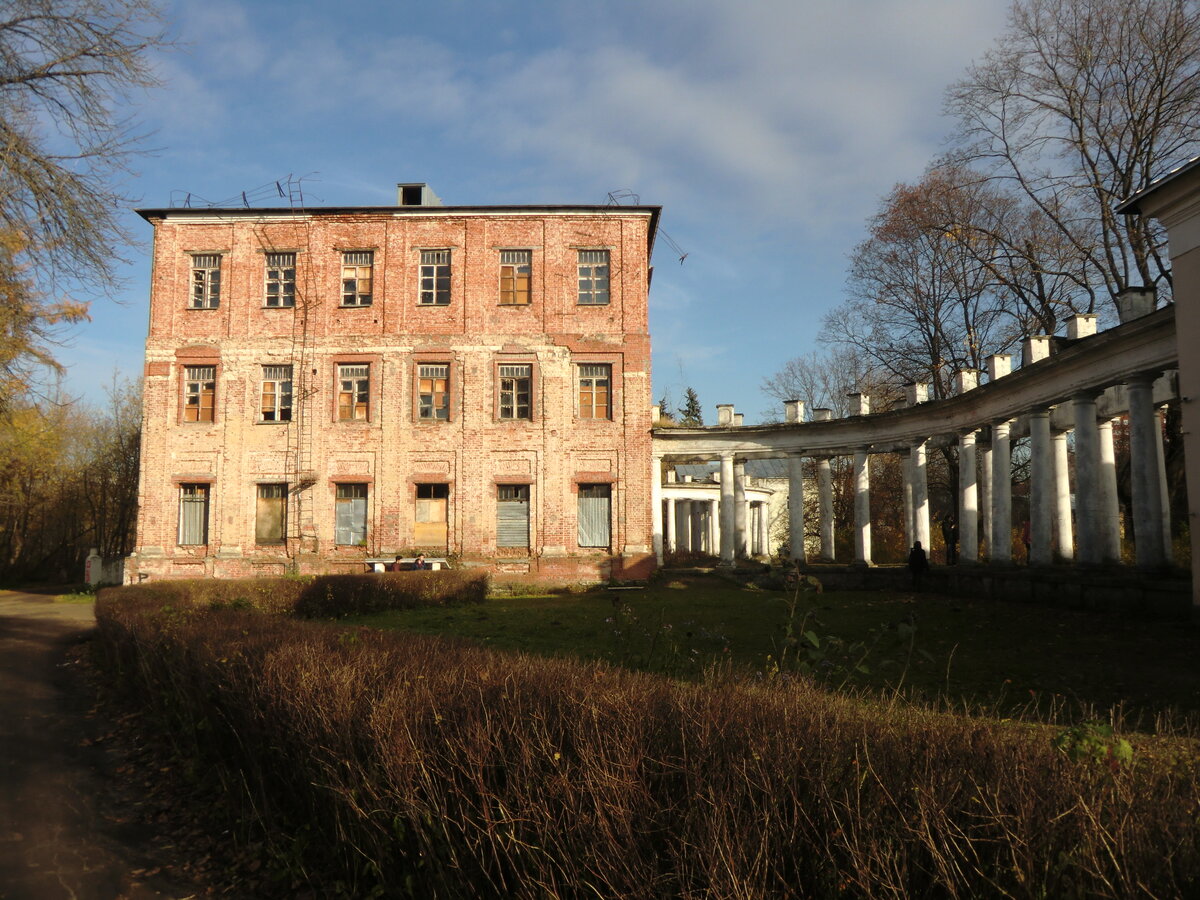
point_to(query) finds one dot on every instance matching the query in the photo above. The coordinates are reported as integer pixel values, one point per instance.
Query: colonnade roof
(1144, 347)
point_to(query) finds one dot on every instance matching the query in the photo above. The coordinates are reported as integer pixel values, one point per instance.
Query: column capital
(1146, 378)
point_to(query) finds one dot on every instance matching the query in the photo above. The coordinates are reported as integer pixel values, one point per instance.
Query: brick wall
(393, 450)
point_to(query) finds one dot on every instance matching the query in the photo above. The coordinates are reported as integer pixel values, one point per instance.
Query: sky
(768, 130)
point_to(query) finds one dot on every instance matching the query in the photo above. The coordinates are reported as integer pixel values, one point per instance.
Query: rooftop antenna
(615, 198)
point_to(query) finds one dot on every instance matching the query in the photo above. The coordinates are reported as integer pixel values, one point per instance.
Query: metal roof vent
(417, 194)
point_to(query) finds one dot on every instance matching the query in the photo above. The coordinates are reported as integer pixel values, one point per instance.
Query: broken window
(515, 269)
(270, 522)
(206, 281)
(276, 403)
(357, 268)
(512, 515)
(594, 392)
(351, 524)
(354, 391)
(431, 515)
(193, 514)
(435, 277)
(593, 277)
(281, 280)
(433, 391)
(199, 393)
(595, 515)
(516, 383)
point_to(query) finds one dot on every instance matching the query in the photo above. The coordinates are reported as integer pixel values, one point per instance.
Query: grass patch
(983, 656)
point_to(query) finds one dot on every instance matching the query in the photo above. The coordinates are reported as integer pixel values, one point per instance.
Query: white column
(1143, 473)
(796, 506)
(764, 530)
(714, 527)
(825, 503)
(968, 500)
(906, 471)
(985, 497)
(656, 507)
(1089, 506)
(672, 539)
(1001, 549)
(697, 520)
(1063, 530)
(684, 516)
(728, 516)
(1042, 494)
(1110, 520)
(920, 499)
(1168, 547)
(741, 545)
(862, 508)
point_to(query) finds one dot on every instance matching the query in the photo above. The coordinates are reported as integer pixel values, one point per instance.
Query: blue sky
(767, 130)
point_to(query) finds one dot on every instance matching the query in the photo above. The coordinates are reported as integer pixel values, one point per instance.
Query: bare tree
(67, 68)
(1080, 104)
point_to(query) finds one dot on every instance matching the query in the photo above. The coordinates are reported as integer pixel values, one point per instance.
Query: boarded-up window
(512, 515)
(276, 403)
(206, 281)
(433, 388)
(516, 387)
(281, 279)
(199, 393)
(593, 277)
(270, 522)
(193, 514)
(357, 267)
(514, 277)
(431, 520)
(351, 526)
(595, 515)
(354, 391)
(435, 277)
(594, 392)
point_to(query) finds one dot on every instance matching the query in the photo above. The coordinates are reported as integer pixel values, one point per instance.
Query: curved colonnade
(1077, 384)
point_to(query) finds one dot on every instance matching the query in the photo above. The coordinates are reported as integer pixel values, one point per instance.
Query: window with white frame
(515, 269)
(595, 391)
(357, 271)
(593, 277)
(351, 512)
(270, 521)
(193, 514)
(199, 393)
(280, 280)
(276, 395)
(516, 389)
(435, 277)
(354, 392)
(206, 281)
(433, 392)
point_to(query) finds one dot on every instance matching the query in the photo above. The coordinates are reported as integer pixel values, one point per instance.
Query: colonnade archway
(1067, 391)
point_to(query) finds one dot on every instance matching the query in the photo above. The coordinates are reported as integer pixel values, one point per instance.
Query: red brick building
(325, 386)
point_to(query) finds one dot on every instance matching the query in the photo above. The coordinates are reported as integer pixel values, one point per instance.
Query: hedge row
(414, 766)
(321, 596)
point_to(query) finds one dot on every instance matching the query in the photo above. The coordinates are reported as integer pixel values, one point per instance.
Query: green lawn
(1001, 658)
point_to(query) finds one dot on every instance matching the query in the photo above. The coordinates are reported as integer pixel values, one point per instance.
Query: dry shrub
(417, 766)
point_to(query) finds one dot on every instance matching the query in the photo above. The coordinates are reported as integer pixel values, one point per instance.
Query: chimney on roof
(416, 194)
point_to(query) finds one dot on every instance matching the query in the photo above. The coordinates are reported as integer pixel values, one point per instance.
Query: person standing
(918, 564)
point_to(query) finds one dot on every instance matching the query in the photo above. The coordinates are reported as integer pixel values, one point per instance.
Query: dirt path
(55, 839)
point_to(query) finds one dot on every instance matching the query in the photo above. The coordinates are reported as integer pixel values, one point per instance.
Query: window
(433, 389)
(515, 389)
(595, 515)
(193, 514)
(354, 390)
(514, 277)
(593, 277)
(357, 267)
(435, 278)
(351, 528)
(206, 281)
(594, 392)
(430, 525)
(276, 403)
(270, 522)
(281, 280)
(199, 393)
(512, 515)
